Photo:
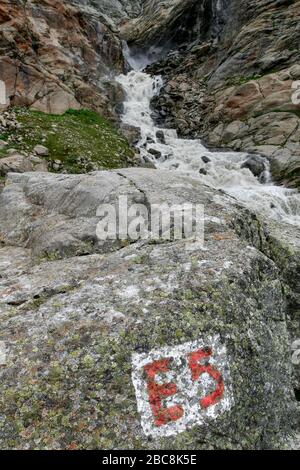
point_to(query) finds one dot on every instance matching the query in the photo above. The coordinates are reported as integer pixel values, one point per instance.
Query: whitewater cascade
(162, 149)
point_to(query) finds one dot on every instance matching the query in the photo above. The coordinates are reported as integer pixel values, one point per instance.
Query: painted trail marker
(182, 386)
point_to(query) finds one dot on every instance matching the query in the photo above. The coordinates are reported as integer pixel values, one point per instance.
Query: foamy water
(220, 170)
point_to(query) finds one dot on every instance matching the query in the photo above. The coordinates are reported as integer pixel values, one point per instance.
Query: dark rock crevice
(164, 26)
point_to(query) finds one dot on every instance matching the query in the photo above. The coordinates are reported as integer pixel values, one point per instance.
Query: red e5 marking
(179, 387)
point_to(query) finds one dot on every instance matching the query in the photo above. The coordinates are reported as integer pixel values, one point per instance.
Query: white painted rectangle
(182, 386)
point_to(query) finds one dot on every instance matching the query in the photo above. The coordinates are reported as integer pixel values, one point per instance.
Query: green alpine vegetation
(80, 140)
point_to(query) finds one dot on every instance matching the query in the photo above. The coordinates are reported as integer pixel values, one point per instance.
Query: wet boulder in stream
(256, 164)
(161, 137)
(156, 153)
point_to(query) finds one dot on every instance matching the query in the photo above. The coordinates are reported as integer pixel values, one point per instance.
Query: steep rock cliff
(54, 55)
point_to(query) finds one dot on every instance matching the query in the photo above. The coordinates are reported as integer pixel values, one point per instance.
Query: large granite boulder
(87, 339)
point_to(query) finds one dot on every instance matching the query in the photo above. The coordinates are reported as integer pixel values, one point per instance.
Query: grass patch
(81, 140)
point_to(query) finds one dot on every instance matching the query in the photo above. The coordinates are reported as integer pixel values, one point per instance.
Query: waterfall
(162, 149)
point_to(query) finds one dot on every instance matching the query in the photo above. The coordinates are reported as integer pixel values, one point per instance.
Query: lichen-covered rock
(72, 327)
(281, 243)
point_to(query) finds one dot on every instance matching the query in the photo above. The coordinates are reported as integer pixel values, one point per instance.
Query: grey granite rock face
(115, 9)
(174, 23)
(71, 325)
